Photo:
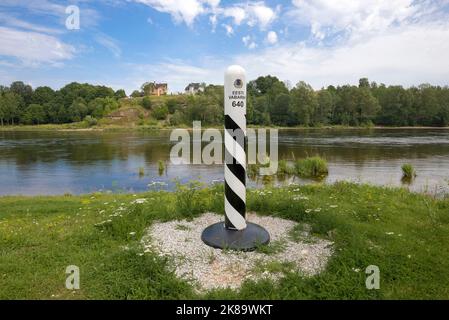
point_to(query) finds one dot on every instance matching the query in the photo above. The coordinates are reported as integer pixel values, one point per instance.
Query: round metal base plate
(217, 236)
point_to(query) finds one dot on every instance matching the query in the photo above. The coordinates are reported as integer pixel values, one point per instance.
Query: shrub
(172, 105)
(314, 167)
(90, 121)
(408, 171)
(161, 112)
(146, 103)
(284, 168)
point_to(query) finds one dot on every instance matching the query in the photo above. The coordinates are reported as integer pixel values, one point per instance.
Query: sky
(124, 43)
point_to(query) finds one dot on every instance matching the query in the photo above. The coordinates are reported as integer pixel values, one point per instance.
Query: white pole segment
(235, 141)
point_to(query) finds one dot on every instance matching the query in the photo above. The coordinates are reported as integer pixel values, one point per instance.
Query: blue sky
(123, 43)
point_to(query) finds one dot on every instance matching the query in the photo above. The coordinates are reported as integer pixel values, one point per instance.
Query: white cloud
(249, 42)
(272, 37)
(254, 13)
(260, 14)
(33, 47)
(110, 44)
(326, 17)
(406, 56)
(89, 17)
(15, 22)
(402, 55)
(181, 10)
(213, 22)
(212, 3)
(229, 29)
(237, 13)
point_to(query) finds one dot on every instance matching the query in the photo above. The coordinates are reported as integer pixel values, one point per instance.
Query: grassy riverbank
(405, 234)
(81, 126)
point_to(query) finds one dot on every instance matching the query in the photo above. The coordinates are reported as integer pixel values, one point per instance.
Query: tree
(136, 94)
(396, 106)
(147, 88)
(364, 83)
(367, 106)
(261, 116)
(280, 110)
(42, 95)
(23, 90)
(34, 114)
(326, 104)
(77, 110)
(9, 107)
(304, 102)
(120, 94)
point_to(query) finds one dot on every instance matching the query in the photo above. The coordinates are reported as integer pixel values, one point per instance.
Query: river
(55, 162)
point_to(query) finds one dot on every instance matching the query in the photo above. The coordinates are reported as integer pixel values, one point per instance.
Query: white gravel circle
(210, 268)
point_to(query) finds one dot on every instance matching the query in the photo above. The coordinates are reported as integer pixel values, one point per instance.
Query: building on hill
(160, 89)
(194, 88)
(155, 89)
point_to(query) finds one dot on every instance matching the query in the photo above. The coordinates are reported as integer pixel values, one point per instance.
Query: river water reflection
(43, 162)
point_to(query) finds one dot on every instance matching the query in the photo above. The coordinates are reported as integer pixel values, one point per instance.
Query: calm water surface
(34, 163)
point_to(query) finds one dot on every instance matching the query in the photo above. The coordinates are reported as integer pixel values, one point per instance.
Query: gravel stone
(210, 268)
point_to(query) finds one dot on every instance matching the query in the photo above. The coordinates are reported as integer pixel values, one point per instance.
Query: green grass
(406, 235)
(312, 167)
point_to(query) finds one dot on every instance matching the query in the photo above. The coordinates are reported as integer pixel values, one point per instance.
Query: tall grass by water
(408, 171)
(314, 167)
(310, 167)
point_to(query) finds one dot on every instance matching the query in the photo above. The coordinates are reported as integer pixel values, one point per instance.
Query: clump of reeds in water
(408, 172)
(161, 167)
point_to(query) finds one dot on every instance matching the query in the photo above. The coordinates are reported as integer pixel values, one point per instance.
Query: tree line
(270, 102)
(21, 104)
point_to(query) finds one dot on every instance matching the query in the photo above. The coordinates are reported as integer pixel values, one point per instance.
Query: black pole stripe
(230, 123)
(238, 171)
(235, 200)
(231, 126)
(234, 161)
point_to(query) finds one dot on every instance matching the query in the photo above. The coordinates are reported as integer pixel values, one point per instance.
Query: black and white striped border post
(235, 146)
(235, 233)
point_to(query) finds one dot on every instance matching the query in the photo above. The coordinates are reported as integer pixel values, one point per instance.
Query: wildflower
(308, 210)
(356, 269)
(389, 233)
(139, 201)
